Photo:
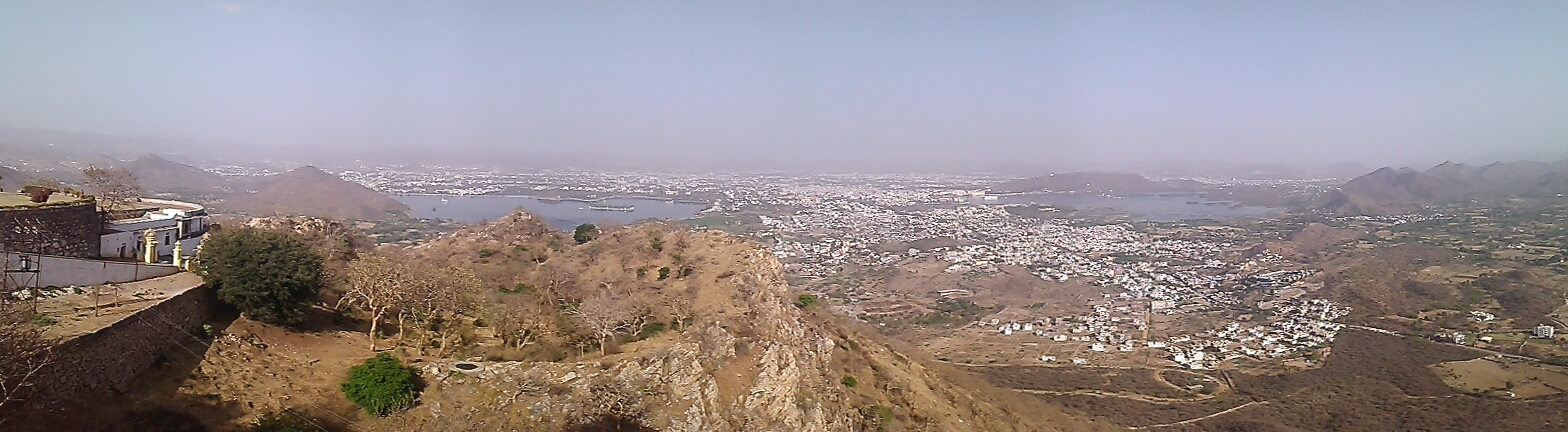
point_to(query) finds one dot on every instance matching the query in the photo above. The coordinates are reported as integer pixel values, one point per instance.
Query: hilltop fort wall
(94, 364)
(70, 229)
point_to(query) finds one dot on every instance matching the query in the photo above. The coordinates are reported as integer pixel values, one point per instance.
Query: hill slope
(1390, 190)
(741, 355)
(309, 191)
(157, 174)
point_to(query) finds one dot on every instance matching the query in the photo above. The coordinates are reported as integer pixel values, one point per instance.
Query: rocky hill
(717, 342)
(309, 191)
(741, 355)
(1125, 183)
(157, 174)
(1390, 190)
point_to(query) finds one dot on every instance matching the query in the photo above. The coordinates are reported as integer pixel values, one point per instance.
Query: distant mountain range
(1401, 190)
(1125, 183)
(305, 191)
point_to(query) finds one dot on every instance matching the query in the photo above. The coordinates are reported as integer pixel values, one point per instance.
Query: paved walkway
(79, 314)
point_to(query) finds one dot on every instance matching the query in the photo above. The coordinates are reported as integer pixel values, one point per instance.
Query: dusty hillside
(741, 354)
(1308, 243)
(708, 337)
(157, 174)
(310, 191)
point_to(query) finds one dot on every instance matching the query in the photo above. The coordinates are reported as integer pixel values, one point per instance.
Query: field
(1371, 382)
(1502, 377)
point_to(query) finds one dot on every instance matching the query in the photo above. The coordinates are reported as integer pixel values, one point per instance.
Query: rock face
(760, 369)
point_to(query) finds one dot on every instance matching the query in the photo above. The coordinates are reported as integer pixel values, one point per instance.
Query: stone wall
(104, 362)
(55, 229)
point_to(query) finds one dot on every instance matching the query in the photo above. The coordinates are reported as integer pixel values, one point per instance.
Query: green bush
(486, 253)
(44, 320)
(268, 275)
(805, 301)
(520, 288)
(585, 233)
(651, 330)
(287, 421)
(878, 412)
(382, 385)
(664, 273)
(850, 381)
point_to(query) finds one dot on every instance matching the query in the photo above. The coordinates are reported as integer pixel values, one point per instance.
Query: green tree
(585, 233)
(381, 385)
(268, 275)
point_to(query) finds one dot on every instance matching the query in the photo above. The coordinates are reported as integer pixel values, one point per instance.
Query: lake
(559, 214)
(1153, 208)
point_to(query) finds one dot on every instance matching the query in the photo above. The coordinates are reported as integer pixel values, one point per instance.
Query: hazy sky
(1020, 82)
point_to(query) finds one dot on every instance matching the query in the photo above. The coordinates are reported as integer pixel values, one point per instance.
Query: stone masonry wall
(104, 361)
(66, 230)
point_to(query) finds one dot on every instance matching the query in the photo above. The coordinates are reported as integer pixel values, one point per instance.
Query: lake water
(561, 215)
(1155, 208)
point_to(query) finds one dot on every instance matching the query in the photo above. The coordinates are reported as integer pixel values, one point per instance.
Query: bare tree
(519, 322)
(114, 187)
(377, 285)
(682, 305)
(24, 352)
(604, 316)
(443, 297)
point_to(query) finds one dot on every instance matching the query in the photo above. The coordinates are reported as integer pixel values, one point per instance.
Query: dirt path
(1123, 395)
(1194, 420)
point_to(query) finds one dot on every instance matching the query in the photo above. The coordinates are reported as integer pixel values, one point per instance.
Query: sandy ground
(81, 313)
(1483, 374)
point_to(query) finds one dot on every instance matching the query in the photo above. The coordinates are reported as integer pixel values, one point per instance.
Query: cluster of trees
(388, 289)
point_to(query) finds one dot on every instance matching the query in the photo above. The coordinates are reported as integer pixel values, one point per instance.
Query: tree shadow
(322, 319)
(611, 423)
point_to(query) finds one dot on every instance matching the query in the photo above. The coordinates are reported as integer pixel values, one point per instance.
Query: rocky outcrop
(758, 364)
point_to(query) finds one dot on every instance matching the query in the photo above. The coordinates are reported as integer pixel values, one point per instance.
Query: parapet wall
(53, 271)
(54, 229)
(98, 363)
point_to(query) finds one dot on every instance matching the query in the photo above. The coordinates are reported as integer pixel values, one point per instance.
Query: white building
(1544, 331)
(168, 224)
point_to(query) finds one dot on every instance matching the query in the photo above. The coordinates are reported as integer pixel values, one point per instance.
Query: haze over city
(922, 85)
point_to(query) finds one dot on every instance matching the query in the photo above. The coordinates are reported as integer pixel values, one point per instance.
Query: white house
(165, 224)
